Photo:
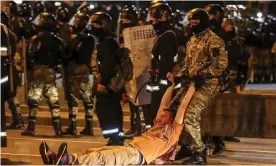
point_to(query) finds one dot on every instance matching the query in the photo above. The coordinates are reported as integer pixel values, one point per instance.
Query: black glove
(198, 81)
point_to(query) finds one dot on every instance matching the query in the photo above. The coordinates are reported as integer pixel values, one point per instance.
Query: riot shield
(139, 40)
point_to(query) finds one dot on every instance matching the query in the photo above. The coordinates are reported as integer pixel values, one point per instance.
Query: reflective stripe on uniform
(164, 82)
(111, 131)
(5, 79)
(3, 134)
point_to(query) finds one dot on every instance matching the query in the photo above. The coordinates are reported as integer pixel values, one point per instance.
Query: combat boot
(219, 148)
(72, 129)
(19, 124)
(57, 126)
(30, 131)
(116, 139)
(88, 130)
(183, 153)
(198, 158)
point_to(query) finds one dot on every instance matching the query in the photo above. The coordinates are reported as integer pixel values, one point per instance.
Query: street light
(259, 14)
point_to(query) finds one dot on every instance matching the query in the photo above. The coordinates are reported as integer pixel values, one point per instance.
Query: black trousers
(156, 98)
(4, 97)
(110, 114)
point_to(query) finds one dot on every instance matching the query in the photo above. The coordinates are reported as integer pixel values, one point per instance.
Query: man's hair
(173, 113)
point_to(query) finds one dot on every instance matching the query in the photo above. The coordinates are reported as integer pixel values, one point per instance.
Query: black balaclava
(199, 14)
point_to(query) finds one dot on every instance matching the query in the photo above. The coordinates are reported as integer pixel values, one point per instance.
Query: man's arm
(184, 104)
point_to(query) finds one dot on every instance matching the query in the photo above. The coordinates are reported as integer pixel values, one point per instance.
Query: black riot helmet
(26, 10)
(142, 14)
(79, 22)
(101, 19)
(14, 8)
(84, 9)
(217, 11)
(128, 18)
(5, 19)
(129, 14)
(154, 2)
(38, 8)
(198, 20)
(45, 22)
(62, 14)
(160, 10)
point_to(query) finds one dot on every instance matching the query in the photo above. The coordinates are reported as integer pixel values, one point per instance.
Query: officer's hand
(198, 81)
(170, 77)
(101, 88)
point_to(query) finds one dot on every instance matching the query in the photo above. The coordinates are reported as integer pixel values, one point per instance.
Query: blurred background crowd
(255, 23)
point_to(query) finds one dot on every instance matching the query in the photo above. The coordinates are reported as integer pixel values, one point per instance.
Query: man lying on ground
(157, 142)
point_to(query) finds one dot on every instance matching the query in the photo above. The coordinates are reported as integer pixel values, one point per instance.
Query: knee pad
(89, 117)
(33, 103)
(74, 111)
(33, 112)
(88, 105)
(55, 112)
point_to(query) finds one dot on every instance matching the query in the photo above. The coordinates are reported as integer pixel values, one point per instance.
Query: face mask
(229, 35)
(160, 27)
(96, 31)
(214, 23)
(198, 28)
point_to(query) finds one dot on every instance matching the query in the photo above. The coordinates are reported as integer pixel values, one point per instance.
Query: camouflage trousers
(81, 89)
(200, 100)
(49, 91)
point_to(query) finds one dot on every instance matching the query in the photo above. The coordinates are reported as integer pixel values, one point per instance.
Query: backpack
(124, 70)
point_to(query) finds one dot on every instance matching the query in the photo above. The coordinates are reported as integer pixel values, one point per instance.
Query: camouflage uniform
(206, 57)
(42, 81)
(80, 90)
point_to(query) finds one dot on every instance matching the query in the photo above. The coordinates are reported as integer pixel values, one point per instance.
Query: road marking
(255, 151)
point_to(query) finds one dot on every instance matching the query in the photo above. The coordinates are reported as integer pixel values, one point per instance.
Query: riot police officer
(45, 52)
(216, 15)
(163, 52)
(62, 16)
(17, 122)
(38, 7)
(129, 18)
(81, 46)
(205, 76)
(237, 57)
(108, 101)
(142, 16)
(27, 14)
(8, 88)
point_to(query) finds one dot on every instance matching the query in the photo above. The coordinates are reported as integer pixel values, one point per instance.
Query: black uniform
(62, 16)
(108, 107)
(137, 118)
(163, 53)
(17, 121)
(45, 52)
(7, 41)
